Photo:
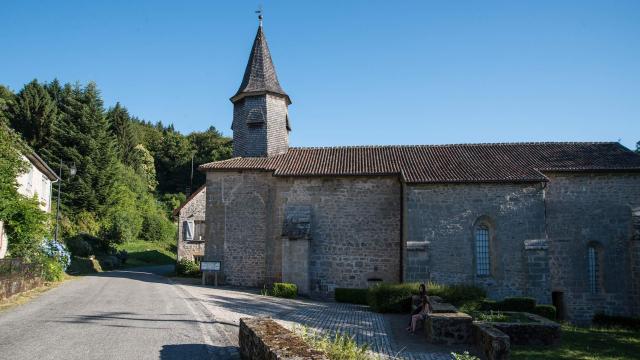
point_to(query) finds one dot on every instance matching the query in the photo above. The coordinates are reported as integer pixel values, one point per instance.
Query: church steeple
(260, 106)
(260, 75)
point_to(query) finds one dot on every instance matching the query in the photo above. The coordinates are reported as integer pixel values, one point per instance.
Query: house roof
(176, 211)
(42, 166)
(457, 163)
(260, 75)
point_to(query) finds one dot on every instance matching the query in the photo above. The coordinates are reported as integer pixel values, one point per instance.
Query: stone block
(493, 343)
(449, 328)
(540, 331)
(265, 339)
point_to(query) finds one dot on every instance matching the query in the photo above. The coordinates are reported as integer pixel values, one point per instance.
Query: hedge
(352, 296)
(456, 294)
(391, 298)
(284, 290)
(548, 311)
(605, 320)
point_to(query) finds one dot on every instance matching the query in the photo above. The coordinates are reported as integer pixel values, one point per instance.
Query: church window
(483, 261)
(593, 260)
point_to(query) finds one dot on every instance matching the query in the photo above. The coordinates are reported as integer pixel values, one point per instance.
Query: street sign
(210, 265)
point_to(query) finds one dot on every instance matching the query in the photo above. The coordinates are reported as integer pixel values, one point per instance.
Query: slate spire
(260, 74)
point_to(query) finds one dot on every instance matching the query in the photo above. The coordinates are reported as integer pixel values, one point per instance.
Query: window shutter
(188, 229)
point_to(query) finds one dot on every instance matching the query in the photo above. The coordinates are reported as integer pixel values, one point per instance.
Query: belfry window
(593, 260)
(483, 260)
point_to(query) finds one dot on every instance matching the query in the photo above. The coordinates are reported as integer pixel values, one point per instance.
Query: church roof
(260, 75)
(460, 163)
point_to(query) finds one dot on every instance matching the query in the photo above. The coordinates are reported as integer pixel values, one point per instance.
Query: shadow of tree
(198, 351)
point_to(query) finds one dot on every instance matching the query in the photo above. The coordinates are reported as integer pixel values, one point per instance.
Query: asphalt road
(129, 314)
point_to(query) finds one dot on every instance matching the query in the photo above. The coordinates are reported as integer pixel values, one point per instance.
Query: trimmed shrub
(604, 320)
(352, 296)
(548, 311)
(488, 304)
(284, 290)
(186, 267)
(391, 298)
(456, 294)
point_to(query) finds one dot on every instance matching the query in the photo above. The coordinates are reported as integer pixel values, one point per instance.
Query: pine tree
(120, 125)
(33, 114)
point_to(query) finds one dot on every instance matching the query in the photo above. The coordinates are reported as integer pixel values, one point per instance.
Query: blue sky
(358, 72)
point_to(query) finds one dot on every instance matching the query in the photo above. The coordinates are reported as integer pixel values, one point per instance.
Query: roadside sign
(210, 265)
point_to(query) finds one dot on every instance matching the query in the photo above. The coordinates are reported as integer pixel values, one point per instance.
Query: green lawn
(586, 343)
(147, 253)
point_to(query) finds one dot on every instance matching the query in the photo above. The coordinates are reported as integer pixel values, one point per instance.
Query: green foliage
(284, 290)
(186, 267)
(337, 347)
(391, 298)
(464, 356)
(143, 163)
(353, 296)
(34, 113)
(615, 321)
(7, 99)
(457, 294)
(172, 202)
(156, 227)
(52, 270)
(80, 245)
(126, 140)
(547, 311)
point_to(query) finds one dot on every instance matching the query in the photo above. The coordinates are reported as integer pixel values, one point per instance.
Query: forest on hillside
(131, 172)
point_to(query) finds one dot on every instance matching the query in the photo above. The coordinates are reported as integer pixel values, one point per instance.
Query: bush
(284, 290)
(352, 296)
(464, 356)
(605, 320)
(391, 298)
(157, 228)
(186, 267)
(52, 270)
(79, 246)
(456, 294)
(338, 347)
(548, 311)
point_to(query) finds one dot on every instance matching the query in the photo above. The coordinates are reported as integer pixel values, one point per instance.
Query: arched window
(593, 260)
(483, 258)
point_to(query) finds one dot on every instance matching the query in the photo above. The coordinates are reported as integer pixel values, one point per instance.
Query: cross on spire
(259, 12)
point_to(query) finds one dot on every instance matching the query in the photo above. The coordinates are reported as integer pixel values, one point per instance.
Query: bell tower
(260, 106)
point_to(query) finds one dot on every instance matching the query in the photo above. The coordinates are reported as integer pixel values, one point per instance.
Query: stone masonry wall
(442, 218)
(193, 210)
(592, 208)
(355, 228)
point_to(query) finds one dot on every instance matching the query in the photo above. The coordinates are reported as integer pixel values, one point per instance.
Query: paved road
(128, 314)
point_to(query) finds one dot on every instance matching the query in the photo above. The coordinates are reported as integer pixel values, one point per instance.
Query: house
(557, 221)
(36, 181)
(191, 226)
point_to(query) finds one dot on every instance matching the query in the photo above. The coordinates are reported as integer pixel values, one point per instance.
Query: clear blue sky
(358, 72)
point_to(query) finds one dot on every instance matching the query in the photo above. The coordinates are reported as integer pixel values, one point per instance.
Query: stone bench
(493, 343)
(449, 328)
(265, 339)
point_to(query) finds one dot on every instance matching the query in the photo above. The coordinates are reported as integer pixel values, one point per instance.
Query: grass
(149, 253)
(499, 316)
(586, 343)
(338, 347)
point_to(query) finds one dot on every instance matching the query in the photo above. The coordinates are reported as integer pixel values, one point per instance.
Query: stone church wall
(584, 209)
(439, 229)
(355, 228)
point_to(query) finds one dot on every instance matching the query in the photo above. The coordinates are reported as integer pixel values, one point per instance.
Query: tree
(121, 127)
(7, 99)
(142, 162)
(33, 114)
(638, 147)
(209, 146)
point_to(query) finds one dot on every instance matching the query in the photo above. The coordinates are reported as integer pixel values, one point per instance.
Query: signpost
(214, 266)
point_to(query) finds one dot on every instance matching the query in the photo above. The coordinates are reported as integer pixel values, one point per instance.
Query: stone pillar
(295, 264)
(416, 261)
(536, 254)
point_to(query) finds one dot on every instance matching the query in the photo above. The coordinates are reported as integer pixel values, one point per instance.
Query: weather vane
(259, 12)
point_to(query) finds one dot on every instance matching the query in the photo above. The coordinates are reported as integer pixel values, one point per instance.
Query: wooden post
(203, 282)
(215, 279)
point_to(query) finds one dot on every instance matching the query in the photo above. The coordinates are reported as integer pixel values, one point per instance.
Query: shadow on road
(196, 351)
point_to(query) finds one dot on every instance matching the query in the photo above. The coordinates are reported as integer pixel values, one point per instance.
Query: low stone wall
(493, 343)
(449, 328)
(540, 331)
(264, 339)
(16, 284)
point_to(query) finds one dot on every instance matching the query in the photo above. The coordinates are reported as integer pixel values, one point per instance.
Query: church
(557, 221)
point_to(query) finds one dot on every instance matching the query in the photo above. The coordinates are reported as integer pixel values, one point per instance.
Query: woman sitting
(421, 312)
